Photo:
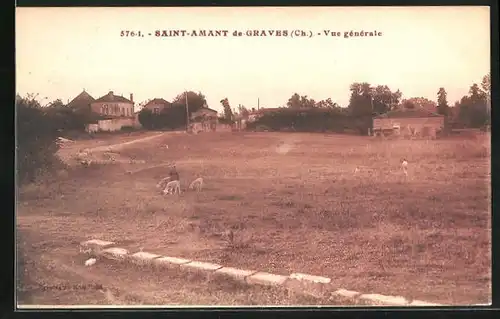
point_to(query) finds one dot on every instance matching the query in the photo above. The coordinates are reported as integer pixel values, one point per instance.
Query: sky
(61, 51)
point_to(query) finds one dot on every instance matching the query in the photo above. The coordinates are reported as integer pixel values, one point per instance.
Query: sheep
(172, 187)
(197, 184)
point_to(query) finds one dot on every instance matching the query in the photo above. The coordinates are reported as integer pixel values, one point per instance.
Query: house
(204, 120)
(114, 106)
(408, 122)
(156, 105)
(81, 102)
(118, 111)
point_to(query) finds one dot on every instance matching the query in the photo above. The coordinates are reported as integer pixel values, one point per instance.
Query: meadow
(294, 202)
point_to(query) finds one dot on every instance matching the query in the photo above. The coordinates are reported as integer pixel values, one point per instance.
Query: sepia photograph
(183, 157)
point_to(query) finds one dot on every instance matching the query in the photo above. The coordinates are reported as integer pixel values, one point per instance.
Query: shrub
(127, 128)
(36, 140)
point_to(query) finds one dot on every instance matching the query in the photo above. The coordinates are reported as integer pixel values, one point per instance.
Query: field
(294, 203)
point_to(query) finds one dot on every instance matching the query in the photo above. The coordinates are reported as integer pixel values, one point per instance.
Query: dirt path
(118, 146)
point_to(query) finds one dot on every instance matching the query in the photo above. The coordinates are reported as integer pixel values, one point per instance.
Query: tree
(473, 109)
(294, 102)
(196, 101)
(421, 103)
(36, 139)
(360, 102)
(442, 102)
(486, 84)
(243, 111)
(384, 100)
(228, 112)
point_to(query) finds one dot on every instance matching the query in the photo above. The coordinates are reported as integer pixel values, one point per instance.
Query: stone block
(344, 293)
(143, 258)
(115, 253)
(170, 262)
(200, 267)
(266, 279)
(234, 273)
(94, 246)
(420, 303)
(376, 299)
(307, 284)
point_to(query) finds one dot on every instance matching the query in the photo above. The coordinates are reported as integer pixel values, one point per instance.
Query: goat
(161, 184)
(197, 184)
(172, 187)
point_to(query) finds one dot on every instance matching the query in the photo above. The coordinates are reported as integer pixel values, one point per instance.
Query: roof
(408, 113)
(110, 97)
(206, 109)
(82, 99)
(158, 101)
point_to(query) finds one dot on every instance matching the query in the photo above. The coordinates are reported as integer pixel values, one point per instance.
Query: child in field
(174, 175)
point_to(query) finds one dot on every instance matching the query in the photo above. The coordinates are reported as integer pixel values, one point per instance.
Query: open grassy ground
(294, 205)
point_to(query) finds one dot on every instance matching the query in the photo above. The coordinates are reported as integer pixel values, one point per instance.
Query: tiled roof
(158, 101)
(110, 97)
(82, 99)
(408, 113)
(206, 109)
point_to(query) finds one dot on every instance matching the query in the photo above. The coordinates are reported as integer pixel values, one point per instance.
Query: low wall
(112, 125)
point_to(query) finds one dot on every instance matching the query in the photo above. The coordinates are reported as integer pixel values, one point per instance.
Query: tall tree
(243, 111)
(442, 102)
(228, 112)
(360, 102)
(195, 100)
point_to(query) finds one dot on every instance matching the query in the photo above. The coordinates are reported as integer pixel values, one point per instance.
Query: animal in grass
(172, 188)
(197, 184)
(161, 184)
(404, 166)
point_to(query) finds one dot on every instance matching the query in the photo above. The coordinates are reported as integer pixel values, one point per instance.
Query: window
(123, 111)
(156, 110)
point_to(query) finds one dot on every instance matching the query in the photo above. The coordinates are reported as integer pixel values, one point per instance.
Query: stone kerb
(170, 262)
(235, 274)
(143, 258)
(198, 267)
(94, 246)
(315, 286)
(115, 253)
(266, 279)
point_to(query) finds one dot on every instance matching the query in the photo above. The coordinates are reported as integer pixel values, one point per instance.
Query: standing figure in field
(174, 181)
(173, 174)
(404, 166)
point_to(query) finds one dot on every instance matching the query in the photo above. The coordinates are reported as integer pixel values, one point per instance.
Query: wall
(111, 125)
(416, 125)
(122, 109)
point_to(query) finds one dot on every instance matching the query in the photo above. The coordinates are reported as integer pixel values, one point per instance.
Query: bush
(36, 140)
(127, 128)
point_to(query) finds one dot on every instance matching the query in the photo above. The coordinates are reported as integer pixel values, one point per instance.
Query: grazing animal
(404, 166)
(90, 262)
(172, 187)
(197, 184)
(161, 184)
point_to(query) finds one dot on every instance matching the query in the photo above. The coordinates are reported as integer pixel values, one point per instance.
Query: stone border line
(315, 286)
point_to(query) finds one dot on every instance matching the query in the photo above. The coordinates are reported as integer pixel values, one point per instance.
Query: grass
(294, 204)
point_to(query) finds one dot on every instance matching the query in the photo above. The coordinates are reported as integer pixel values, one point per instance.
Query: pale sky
(61, 51)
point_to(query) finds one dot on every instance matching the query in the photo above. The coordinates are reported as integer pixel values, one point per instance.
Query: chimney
(110, 94)
(131, 97)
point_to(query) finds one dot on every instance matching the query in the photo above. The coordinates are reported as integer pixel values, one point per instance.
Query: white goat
(197, 184)
(172, 187)
(161, 184)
